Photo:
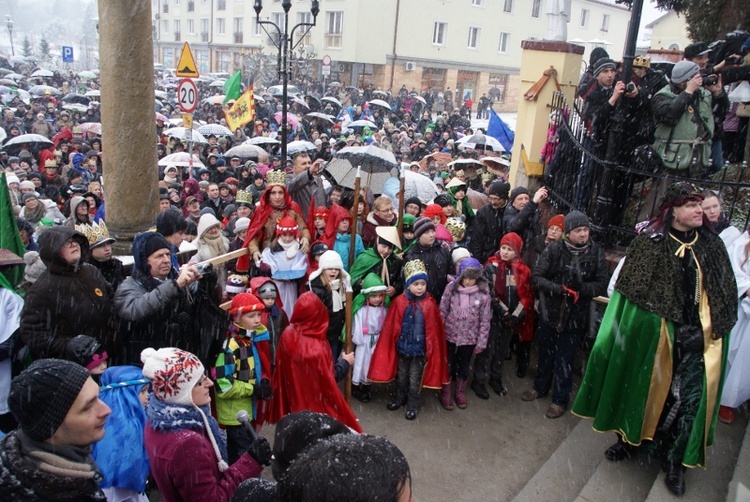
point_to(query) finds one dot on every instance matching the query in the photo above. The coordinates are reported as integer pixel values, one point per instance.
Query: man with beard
(662, 339)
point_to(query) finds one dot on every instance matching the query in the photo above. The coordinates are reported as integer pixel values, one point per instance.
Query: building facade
(470, 46)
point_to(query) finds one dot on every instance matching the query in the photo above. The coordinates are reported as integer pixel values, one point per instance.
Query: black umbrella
(76, 98)
(32, 142)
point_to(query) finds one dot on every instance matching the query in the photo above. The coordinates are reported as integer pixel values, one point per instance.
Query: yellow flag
(242, 112)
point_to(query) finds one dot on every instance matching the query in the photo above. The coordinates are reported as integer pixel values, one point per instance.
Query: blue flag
(500, 131)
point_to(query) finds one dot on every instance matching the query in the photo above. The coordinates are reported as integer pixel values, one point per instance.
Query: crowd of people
(186, 356)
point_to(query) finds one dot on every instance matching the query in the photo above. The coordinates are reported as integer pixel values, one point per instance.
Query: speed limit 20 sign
(187, 95)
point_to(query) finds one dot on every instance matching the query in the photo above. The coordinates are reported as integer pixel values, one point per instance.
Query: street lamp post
(9, 25)
(285, 45)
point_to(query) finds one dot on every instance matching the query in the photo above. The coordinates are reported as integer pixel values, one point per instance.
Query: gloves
(688, 339)
(478, 350)
(263, 391)
(566, 291)
(260, 451)
(517, 317)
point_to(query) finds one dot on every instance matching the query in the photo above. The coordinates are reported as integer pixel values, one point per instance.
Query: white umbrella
(380, 102)
(75, 107)
(217, 83)
(247, 151)
(420, 99)
(465, 162)
(419, 185)
(480, 141)
(42, 72)
(300, 102)
(186, 134)
(93, 94)
(262, 140)
(299, 146)
(180, 159)
(93, 127)
(215, 100)
(362, 123)
(88, 75)
(329, 99)
(44, 90)
(15, 76)
(160, 94)
(215, 129)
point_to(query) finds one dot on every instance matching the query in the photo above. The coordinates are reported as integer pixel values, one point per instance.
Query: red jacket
(183, 463)
(385, 358)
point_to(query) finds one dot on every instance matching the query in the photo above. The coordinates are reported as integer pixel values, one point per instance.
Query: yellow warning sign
(186, 66)
(187, 120)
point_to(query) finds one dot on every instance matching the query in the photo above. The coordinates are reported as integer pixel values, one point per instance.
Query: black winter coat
(524, 222)
(486, 232)
(335, 319)
(112, 271)
(67, 301)
(585, 273)
(437, 261)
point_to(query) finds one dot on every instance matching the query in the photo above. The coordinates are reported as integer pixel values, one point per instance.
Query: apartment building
(470, 45)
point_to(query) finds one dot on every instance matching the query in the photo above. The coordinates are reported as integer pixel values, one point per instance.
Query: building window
(334, 29)
(508, 6)
(221, 5)
(439, 33)
(605, 22)
(177, 30)
(305, 17)
(204, 29)
(584, 18)
(257, 29)
(477, 3)
(165, 26)
(165, 7)
(473, 41)
(177, 2)
(223, 61)
(221, 25)
(535, 6)
(277, 18)
(191, 27)
(191, 5)
(504, 45)
(237, 29)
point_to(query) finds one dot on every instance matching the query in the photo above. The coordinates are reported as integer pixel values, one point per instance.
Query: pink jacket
(474, 329)
(184, 466)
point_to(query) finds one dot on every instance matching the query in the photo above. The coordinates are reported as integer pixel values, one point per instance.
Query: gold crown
(642, 62)
(96, 233)
(414, 267)
(244, 197)
(276, 177)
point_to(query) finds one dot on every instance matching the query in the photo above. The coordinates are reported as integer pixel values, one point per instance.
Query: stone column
(128, 122)
(533, 115)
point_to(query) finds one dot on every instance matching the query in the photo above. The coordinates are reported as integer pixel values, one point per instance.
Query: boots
(445, 397)
(361, 393)
(460, 396)
(522, 361)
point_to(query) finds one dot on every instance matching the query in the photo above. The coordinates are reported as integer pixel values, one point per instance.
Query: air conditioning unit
(410, 66)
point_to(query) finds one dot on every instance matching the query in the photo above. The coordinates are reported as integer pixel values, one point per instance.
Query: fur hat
(413, 271)
(576, 219)
(330, 259)
(470, 268)
(422, 225)
(244, 303)
(34, 266)
(459, 253)
(41, 396)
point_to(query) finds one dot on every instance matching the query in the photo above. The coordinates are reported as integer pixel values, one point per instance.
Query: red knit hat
(244, 303)
(287, 225)
(513, 240)
(557, 221)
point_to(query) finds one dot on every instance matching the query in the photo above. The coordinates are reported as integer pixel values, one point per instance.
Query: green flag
(232, 87)
(9, 236)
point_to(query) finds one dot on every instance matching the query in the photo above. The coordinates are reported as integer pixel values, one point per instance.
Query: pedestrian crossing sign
(186, 66)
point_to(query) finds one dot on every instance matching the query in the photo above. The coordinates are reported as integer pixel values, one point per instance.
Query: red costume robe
(384, 361)
(304, 377)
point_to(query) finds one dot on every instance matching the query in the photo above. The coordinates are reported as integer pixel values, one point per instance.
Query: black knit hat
(170, 222)
(518, 191)
(500, 189)
(422, 225)
(576, 219)
(443, 200)
(603, 64)
(415, 201)
(155, 242)
(42, 394)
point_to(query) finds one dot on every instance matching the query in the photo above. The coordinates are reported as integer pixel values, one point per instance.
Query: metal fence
(576, 179)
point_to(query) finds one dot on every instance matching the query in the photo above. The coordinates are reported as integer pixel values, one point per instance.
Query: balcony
(165, 8)
(238, 38)
(191, 6)
(177, 37)
(204, 37)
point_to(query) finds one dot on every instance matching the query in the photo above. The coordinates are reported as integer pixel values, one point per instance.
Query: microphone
(244, 419)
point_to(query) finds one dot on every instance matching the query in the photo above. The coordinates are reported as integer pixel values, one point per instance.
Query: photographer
(155, 306)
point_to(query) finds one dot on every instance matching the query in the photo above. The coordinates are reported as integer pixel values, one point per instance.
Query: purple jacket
(184, 466)
(472, 329)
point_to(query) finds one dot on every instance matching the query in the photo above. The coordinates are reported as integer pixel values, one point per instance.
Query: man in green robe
(656, 370)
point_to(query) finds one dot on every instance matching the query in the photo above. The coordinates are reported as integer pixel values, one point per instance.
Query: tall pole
(284, 83)
(9, 24)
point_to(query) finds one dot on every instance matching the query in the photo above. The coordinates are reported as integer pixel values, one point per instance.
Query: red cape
(385, 358)
(303, 378)
(524, 290)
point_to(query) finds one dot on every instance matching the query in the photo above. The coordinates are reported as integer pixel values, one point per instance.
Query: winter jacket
(371, 262)
(22, 479)
(369, 237)
(112, 270)
(183, 463)
(411, 339)
(66, 300)
(472, 328)
(486, 232)
(524, 222)
(585, 273)
(304, 187)
(437, 261)
(341, 246)
(335, 319)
